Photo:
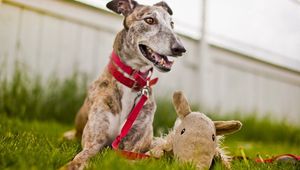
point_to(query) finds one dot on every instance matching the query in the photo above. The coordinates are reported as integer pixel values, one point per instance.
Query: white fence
(54, 36)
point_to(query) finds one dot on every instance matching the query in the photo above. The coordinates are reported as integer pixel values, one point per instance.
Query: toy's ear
(227, 127)
(124, 7)
(181, 104)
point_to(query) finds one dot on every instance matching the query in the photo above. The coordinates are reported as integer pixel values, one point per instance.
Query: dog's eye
(182, 131)
(172, 24)
(213, 137)
(149, 21)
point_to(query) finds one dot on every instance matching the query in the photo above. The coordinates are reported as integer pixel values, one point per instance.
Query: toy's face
(195, 134)
(195, 139)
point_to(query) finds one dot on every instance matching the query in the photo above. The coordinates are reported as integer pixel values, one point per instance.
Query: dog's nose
(177, 48)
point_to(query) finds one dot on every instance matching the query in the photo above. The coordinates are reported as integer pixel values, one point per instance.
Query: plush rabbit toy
(195, 137)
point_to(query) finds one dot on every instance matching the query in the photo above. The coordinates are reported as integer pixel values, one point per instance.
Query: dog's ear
(227, 127)
(181, 104)
(165, 6)
(124, 7)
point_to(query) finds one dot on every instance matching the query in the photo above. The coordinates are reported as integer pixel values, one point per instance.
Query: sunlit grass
(38, 145)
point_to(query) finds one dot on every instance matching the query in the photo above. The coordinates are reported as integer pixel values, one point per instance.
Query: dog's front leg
(94, 138)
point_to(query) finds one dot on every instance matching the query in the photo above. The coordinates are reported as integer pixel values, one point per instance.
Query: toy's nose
(177, 49)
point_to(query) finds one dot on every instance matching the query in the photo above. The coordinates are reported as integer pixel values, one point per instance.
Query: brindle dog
(147, 40)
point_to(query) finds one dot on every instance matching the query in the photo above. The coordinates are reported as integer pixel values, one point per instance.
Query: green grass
(34, 113)
(38, 145)
(31, 97)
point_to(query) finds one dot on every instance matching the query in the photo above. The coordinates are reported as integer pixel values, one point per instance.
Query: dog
(147, 40)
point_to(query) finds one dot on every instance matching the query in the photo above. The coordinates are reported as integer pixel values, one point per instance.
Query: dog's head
(150, 35)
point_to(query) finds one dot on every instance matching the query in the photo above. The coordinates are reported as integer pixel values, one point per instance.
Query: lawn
(38, 145)
(34, 115)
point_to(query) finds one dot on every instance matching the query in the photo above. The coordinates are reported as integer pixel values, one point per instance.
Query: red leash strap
(127, 126)
(275, 158)
(133, 155)
(130, 120)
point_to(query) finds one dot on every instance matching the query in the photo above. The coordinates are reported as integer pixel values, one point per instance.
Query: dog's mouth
(161, 62)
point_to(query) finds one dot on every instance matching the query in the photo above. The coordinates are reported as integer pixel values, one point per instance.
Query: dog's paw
(72, 166)
(70, 135)
(155, 152)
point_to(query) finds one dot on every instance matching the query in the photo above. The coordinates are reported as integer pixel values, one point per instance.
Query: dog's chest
(128, 100)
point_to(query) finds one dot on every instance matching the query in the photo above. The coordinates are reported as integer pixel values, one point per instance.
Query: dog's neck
(123, 47)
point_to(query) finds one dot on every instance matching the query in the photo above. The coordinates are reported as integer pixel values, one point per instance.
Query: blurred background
(242, 62)
(242, 56)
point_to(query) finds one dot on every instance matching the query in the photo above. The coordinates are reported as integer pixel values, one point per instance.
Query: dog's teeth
(149, 49)
(162, 62)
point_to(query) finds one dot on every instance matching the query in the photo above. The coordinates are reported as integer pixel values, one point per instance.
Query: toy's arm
(162, 144)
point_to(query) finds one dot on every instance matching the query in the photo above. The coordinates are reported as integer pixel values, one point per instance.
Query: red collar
(134, 79)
